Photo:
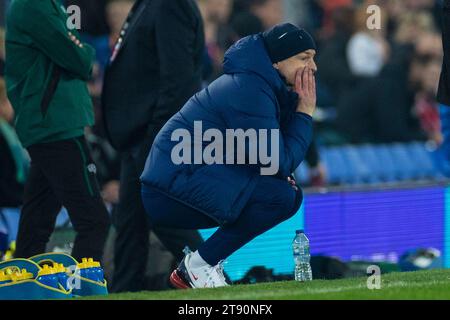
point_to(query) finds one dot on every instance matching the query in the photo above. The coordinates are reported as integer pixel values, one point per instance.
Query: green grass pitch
(433, 284)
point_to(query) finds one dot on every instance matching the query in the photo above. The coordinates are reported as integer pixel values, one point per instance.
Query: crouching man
(268, 89)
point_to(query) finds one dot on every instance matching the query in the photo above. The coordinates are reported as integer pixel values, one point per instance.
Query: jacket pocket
(50, 89)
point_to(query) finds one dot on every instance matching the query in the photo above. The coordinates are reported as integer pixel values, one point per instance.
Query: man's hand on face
(305, 86)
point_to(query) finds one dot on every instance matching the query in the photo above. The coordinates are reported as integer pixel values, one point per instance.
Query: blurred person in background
(3, 4)
(93, 16)
(299, 12)
(270, 12)
(154, 69)
(94, 28)
(253, 16)
(216, 16)
(433, 7)
(226, 21)
(47, 67)
(396, 10)
(367, 50)
(443, 95)
(108, 159)
(248, 17)
(244, 24)
(334, 73)
(430, 43)
(14, 165)
(329, 9)
(410, 27)
(385, 109)
(116, 14)
(426, 107)
(429, 46)
(2, 53)
(13, 160)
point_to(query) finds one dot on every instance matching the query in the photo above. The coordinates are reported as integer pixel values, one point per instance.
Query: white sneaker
(185, 277)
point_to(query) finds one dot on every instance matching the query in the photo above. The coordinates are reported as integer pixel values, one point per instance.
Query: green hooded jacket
(46, 73)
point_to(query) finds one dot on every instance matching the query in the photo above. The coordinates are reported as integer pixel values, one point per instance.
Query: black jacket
(93, 15)
(154, 72)
(443, 95)
(379, 110)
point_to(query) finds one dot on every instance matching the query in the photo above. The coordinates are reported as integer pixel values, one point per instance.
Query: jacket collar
(127, 28)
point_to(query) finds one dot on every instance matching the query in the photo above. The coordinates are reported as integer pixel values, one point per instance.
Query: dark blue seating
(377, 163)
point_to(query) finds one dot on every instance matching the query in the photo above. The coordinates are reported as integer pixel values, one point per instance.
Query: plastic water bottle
(47, 276)
(4, 278)
(21, 275)
(97, 270)
(302, 257)
(61, 274)
(90, 269)
(86, 270)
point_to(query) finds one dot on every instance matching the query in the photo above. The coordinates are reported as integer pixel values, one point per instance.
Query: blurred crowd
(374, 86)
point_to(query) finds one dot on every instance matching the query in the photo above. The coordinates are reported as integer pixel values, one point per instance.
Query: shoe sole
(178, 281)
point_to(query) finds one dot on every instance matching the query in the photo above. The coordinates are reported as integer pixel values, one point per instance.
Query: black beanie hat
(286, 40)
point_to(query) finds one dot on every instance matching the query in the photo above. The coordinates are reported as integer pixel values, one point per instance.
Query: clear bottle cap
(299, 231)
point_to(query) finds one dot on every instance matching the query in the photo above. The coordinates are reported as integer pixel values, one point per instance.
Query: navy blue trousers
(272, 202)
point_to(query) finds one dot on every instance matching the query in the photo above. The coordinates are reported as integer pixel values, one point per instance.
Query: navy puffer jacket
(250, 94)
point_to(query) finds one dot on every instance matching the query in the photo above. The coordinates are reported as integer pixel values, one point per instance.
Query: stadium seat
(302, 174)
(423, 160)
(380, 163)
(360, 169)
(338, 171)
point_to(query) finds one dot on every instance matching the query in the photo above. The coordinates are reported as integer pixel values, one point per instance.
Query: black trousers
(131, 248)
(62, 174)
